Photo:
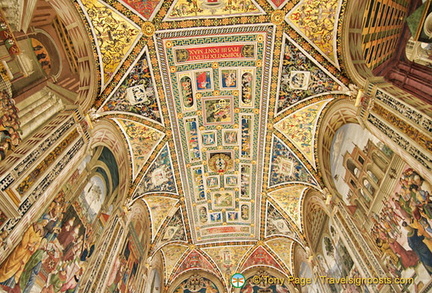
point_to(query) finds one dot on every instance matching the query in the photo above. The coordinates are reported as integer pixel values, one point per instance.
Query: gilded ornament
(220, 163)
(277, 17)
(148, 29)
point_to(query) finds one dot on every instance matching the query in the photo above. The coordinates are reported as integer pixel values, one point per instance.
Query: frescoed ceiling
(219, 103)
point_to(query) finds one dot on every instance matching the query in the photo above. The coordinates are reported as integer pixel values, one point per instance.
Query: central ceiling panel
(217, 87)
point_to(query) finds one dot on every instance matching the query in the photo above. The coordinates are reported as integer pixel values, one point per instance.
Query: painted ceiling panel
(290, 200)
(286, 167)
(159, 177)
(194, 260)
(182, 9)
(217, 97)
(227, 258)
(172, 255)
(259, 257)
(282, 247)
(160, 208)
(115, 35)
(278, 225)
(219, 102)
(175, 230)
(136, 92)
(300, 127)
(145, 8)
(303, 77)
(316, 21)
(142, 141)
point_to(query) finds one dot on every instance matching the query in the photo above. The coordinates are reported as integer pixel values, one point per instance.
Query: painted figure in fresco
(33, 267)
(208, 138)
(218, 111)
(229, 78)
(186, 91)
(231, 180)
(215, 217)
(55, 281)
(203, 214)
(223, 199)
(246, 88)
(232, 216)
(245, 212)
(230, 137)
(212, 182)
(409, 209)
(418, 245)
(13, 266)
(203, 81)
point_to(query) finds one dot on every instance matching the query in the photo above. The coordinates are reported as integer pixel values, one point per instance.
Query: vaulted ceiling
(219, 103)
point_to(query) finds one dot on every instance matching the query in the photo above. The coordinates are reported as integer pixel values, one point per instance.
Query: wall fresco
(336, 262)
(123, 276)
(52, 255)
(377, 185)
(402, 229)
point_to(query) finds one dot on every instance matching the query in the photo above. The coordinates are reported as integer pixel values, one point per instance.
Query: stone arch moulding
(316, 216)
(339, 113)
(87, 68)
(154, 281)
(105, 134)
(352, 53)
(53, 50)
